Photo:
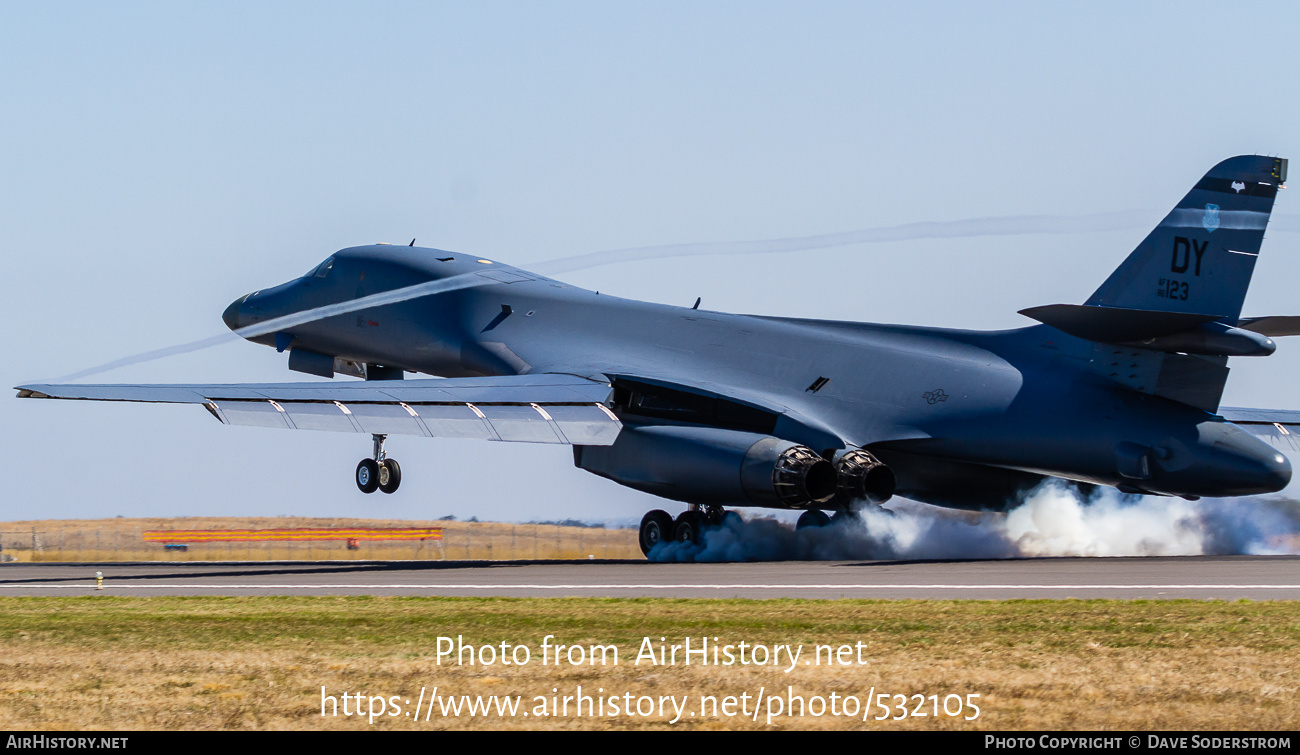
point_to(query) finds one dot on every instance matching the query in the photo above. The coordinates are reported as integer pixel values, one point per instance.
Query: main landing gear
(818, 518)
(658, 526)
(381, 472)
(812, 518)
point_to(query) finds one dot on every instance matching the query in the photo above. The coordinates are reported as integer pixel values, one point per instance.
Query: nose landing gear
(379, 473)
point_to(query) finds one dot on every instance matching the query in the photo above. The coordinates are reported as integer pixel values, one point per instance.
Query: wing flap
(455, 421)
(253, 414)
(387, 419)
(522, 424)
(585, 425)
(316, 416)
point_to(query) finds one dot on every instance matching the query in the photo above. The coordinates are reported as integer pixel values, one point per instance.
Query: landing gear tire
(368, 475)
(656, 527)
(812, 518)
(688, 527)
(390, 475)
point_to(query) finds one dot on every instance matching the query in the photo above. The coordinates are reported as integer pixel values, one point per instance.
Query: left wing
(522, 408)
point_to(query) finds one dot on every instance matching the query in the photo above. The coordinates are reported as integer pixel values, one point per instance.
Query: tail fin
(1200, 258)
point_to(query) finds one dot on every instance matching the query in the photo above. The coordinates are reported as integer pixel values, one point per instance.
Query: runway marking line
(126, 584)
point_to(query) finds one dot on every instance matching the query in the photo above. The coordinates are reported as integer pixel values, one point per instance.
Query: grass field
(123, 540)
(237, 663)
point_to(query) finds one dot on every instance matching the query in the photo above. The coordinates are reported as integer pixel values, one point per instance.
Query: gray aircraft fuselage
(964, 418)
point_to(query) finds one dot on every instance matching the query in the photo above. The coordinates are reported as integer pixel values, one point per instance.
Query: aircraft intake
(714, 467)
(864, 477)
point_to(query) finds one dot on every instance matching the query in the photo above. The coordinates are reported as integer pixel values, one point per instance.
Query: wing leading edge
(523, 408)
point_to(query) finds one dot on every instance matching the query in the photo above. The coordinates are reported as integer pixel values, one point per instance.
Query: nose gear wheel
(368, 475)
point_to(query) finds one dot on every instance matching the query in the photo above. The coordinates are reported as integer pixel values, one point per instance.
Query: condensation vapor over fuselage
(967, 418)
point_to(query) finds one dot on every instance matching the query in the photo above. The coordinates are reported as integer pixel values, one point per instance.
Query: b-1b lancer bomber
(720, 410)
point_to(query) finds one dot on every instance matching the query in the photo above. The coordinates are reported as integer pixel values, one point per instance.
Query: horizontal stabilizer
(1170, 332)
(1279, 428)
(1275, 325)
(1113, 324)
(1244, 416)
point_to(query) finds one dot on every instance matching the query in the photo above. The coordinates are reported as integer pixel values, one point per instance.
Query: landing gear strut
(379, 473)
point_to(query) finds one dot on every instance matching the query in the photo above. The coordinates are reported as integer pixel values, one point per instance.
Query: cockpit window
(321, 270)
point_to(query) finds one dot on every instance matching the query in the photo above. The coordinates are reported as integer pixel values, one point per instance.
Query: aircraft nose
(231, 316)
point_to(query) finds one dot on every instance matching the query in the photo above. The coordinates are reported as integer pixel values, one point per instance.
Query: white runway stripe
(136, 586)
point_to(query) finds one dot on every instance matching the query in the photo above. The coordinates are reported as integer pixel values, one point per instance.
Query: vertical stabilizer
(1200, 258)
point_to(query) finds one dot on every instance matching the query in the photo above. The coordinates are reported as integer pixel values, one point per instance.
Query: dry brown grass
(260, 663)
(122, 540)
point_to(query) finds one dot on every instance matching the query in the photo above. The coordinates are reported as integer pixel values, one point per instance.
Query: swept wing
(544, 408)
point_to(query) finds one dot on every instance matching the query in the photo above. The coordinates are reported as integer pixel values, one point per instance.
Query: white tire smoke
(1052, 521)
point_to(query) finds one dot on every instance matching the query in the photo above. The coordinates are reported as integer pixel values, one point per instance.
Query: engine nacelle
(863, 477)
(714, 467)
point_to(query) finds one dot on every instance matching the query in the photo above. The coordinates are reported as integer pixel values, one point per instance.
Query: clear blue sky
(162, 159)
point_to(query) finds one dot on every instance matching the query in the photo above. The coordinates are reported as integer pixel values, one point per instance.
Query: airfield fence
(460, 541)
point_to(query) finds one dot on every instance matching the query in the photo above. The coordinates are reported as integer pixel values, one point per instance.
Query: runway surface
(1203, 577)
